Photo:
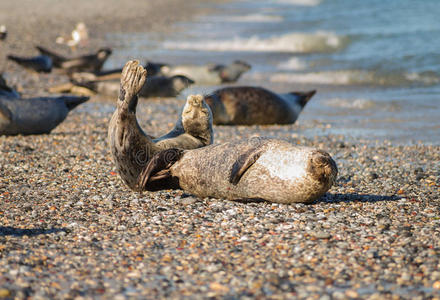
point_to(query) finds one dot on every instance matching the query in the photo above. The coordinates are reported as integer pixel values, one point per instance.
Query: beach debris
(3, 32)
(78, 37)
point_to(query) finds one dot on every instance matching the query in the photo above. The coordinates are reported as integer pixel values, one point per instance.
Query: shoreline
(30, 24)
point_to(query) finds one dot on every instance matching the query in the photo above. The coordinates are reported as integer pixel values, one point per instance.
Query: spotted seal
(256, 168)
(35, 115)
(154, 86)
(208, 74)
(131, 148)
(247, 105)
(84, 63)
(39, 63)
(152, 68)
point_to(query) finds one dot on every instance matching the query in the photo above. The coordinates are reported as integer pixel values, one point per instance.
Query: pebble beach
(70, 229)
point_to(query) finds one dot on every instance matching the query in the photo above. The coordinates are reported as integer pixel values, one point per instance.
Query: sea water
(375, 63)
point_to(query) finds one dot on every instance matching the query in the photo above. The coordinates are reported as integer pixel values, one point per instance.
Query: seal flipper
(157, 167)
(56, 58)
(304, 97)
(5, 115)
(243, 163)
(73, 101)
(6, 90)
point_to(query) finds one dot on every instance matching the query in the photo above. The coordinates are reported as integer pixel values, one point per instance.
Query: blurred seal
(245, 105)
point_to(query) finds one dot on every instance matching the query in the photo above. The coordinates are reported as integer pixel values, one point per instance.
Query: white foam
(257, 18)
(348, 77)
(292, 42)
(426, 78)
(300, 2)
(294, 63)
(328, 77)
(351, 103)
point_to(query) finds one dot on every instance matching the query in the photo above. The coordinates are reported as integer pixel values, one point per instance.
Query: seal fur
(84, 63)
(208, 74)
(246, 105)
(40, 63)
(154, 86)
(131, 148)
(35, 115)
(257, 168)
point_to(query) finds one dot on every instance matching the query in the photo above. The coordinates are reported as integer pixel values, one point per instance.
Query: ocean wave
(353, 77)
(322, 42)
(293, 63)
(361, 104)
(253, 18)
(351, 103)
(300, 2)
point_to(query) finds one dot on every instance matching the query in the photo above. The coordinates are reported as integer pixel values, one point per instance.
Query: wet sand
(69, 228)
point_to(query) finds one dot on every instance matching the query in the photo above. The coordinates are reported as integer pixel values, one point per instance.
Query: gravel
(69, 228)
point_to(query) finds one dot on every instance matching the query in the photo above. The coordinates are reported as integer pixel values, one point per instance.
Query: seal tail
(4, 86)
(304, 97)
(73, 101)
(56, 58)
(17, 59)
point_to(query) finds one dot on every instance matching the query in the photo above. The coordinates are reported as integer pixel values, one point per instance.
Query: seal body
(40, 63)
(162, 86)
(35, 115)
(154, 86)
(85, 63)
(131, 148)
(208, 74)
(256, 168)
(153, 69)
(245, 105)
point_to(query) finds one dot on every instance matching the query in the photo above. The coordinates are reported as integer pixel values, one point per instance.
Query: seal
(256, 168)
(131, 148)
(85, 63)
(113, 74)
(246, 105)
(40, 63)
(193, 129)
(6, 91)
(162, 86)
(208, 74)
(154, 86)
(35, 115)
